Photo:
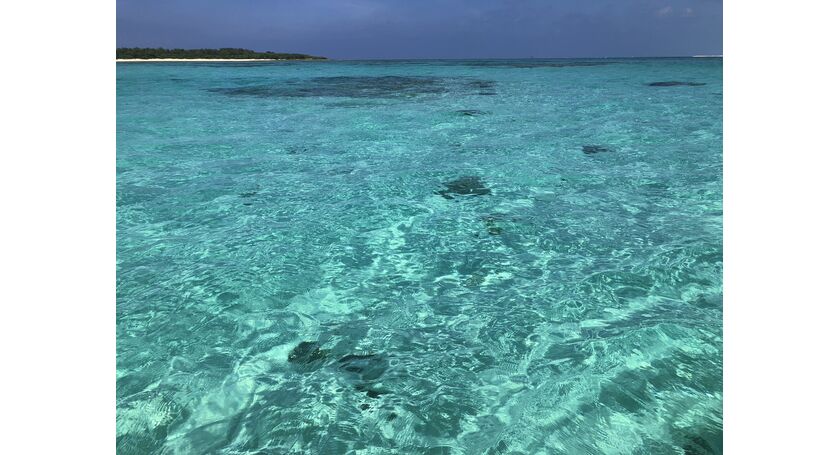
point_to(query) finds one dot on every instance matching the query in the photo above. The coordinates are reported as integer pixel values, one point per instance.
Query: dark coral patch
(306, 353)
(698, 445)
(471, 112)
(592, 149)
(342, 86)
(466, 186)
(367, 367)
(675, 84)
(490, 223)
(367, 87)
(371, 392)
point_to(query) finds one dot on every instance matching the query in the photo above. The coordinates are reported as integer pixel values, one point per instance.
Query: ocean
(431, 257)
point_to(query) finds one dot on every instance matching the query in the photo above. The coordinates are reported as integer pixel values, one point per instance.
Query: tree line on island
(224, 53)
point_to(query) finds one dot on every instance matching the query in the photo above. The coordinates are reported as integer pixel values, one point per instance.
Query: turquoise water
(439, 257)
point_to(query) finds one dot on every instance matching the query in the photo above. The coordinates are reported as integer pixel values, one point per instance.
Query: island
(140, 54)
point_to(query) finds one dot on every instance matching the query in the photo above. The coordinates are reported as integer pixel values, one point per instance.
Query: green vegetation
(224, 53)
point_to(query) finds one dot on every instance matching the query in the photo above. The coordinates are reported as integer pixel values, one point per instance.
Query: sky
(360, 29)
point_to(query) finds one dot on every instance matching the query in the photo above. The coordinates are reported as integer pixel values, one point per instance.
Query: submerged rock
(471, 112)
(592, 149)
(490, 224)
(367, 367)
(494, 230)
(476, 279)
(306, 353)
(466, 186)
(370, 391)
(675, 83)
(363, 370)
(710, 444)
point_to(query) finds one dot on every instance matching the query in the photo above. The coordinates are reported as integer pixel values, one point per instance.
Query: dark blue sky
(429, 28)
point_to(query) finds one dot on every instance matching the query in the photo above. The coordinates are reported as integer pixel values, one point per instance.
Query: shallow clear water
(465, 257)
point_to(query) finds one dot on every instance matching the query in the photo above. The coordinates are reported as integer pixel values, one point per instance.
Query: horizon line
(469, 58)
(429, 58)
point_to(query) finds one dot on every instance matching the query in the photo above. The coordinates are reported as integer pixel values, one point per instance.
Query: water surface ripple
(432, 257)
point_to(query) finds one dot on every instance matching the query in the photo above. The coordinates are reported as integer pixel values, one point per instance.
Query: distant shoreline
(212, 60)
(141, 60)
